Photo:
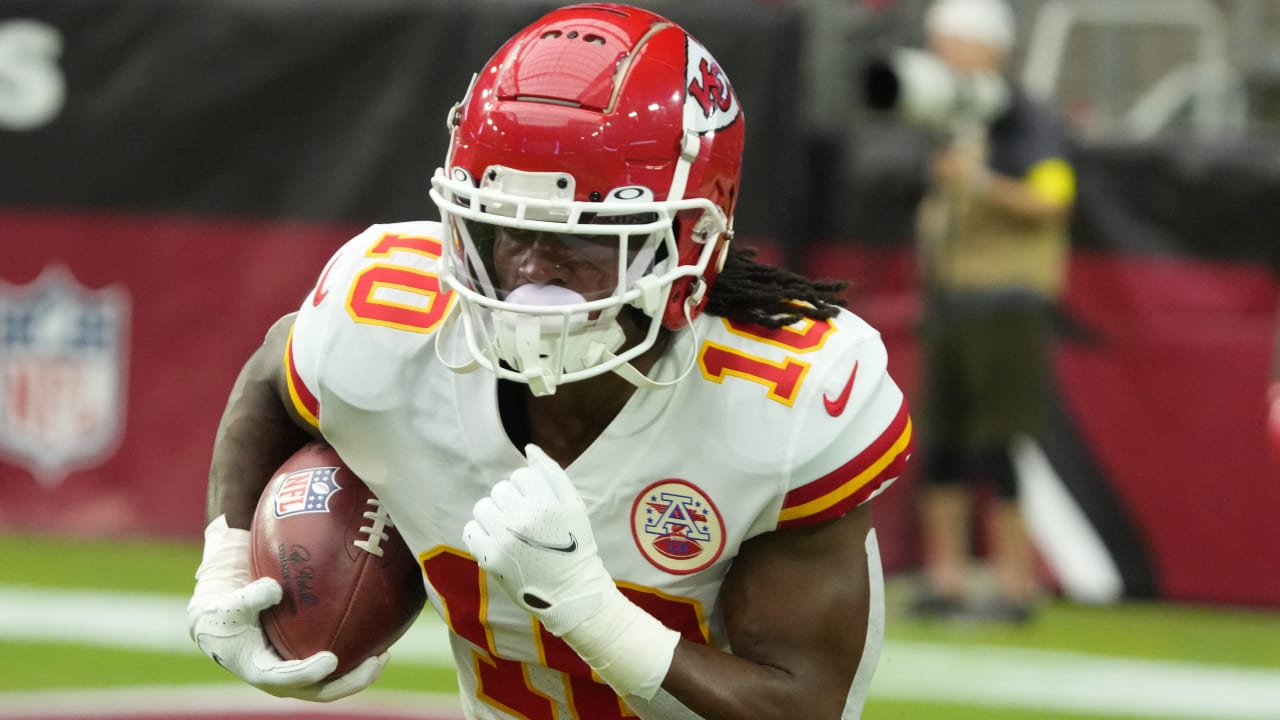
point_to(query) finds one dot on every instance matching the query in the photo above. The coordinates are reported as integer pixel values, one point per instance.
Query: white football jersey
(767, 429)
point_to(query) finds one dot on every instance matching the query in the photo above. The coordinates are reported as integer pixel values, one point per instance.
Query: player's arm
(796, 605)
(258, 431)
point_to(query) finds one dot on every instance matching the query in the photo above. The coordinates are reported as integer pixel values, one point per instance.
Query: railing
(1206, 89)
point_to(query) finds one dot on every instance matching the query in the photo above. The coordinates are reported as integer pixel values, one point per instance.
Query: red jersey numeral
(464, 593)
(424, 303)
(782, 379)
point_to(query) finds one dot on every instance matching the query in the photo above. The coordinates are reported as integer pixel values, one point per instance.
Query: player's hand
(222, 618)
(532, 535)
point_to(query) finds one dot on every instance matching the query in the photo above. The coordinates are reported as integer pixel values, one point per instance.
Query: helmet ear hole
(688, 296)
(673, 313)
(697, 292)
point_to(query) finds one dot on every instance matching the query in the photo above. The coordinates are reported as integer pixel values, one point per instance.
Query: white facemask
(543, 347)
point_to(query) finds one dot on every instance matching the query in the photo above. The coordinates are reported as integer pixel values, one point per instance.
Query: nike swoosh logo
(836, 407)
(321, 292)
(566, 548)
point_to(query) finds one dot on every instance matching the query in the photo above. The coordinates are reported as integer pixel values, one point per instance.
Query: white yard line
(151, 622)
(1075, 682)
(207, 700)
(977, 675)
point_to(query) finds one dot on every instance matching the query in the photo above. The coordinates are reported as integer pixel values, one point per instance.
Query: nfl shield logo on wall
(62, 373)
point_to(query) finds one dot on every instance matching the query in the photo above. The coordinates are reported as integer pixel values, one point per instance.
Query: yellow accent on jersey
(294, 396)
(782, 379)
(1054, 181)
(804, 335)
(817, 505)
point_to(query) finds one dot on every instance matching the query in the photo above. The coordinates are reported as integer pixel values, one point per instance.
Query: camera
(919, 87)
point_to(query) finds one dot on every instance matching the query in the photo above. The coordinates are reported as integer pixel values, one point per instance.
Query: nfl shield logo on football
(62, 373)
(677, 527)
(306, 491)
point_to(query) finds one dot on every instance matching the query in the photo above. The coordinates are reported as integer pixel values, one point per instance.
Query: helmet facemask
(595, 115)
(619, 251)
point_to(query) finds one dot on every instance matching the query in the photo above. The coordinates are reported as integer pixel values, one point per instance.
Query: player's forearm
(721, 686)
(799, 607)
(255, 435)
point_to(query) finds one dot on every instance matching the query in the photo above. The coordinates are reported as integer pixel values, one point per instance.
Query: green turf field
(1191, 636)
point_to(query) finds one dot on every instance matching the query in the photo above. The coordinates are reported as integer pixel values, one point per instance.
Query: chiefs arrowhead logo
(708, 90)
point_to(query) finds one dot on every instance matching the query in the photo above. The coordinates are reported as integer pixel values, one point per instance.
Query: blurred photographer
(992, 231)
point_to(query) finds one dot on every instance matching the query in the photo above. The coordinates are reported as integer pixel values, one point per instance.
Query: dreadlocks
(751, 292)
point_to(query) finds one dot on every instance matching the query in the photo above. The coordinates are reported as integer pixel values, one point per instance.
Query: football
(351, 585)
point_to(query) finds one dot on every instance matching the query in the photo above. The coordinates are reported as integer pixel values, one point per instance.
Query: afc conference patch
(62, 373)
(306, 491)
(677, 527)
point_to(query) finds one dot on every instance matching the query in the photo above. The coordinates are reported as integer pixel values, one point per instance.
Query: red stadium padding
(199, 295)
(1163, 393)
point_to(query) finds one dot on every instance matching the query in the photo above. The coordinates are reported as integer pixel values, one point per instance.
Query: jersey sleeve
(380, 291)
(857, 444)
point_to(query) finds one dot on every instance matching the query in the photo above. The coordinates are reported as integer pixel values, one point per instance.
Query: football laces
(376, 531)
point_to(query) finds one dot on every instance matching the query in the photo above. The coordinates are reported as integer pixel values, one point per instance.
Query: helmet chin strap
(544, 347)
(631, 374)
(527, 348)
(544, 381)
(455, 309)
(538, 348)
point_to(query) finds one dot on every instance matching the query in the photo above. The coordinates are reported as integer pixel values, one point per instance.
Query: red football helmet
(597, 125)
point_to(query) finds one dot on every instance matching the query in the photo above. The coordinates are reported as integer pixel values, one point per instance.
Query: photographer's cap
(989, 22)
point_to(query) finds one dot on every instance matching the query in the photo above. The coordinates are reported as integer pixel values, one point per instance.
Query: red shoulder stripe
(303, 400)
(843, 489)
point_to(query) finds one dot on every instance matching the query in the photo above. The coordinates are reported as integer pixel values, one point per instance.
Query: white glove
(222, 618)
(533, 537)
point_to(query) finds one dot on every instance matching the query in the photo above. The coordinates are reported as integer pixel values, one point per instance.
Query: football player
(636, 466)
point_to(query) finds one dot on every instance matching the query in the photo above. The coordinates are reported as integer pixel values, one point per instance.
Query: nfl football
(351, 585)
